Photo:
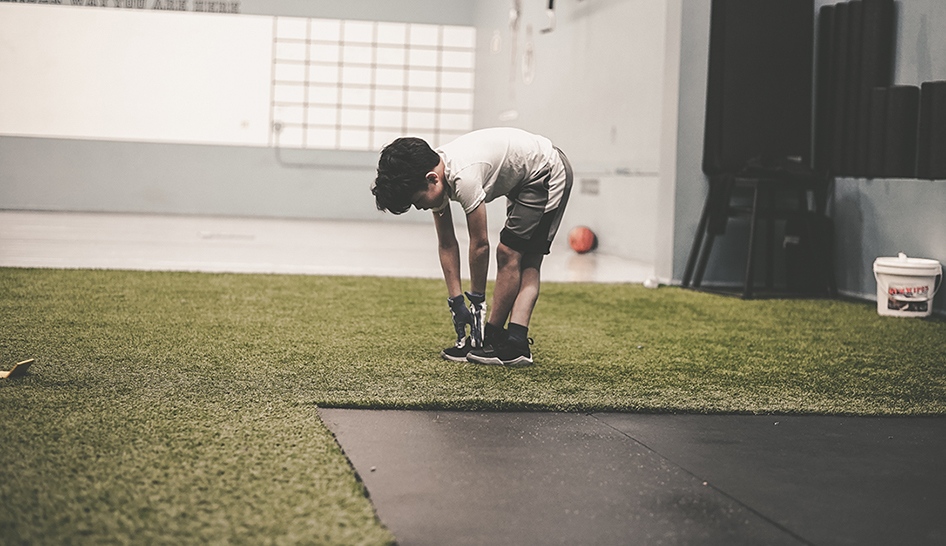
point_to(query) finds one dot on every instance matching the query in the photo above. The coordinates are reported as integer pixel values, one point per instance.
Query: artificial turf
(181, 407)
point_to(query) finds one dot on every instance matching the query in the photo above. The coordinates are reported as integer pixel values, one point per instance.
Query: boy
(536, 179)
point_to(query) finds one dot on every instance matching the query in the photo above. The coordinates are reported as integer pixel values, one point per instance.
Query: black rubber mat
(554, 478)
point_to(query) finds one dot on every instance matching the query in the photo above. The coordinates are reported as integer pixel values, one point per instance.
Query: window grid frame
(372, 130)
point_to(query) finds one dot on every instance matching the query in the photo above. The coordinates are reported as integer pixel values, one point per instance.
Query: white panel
(456, 122)
(421, 99)
(428, 35)
(289, 114)
(290, 72)
(318, 115)
(323, 95)
(392, 56)
(388, 118)
(429, 136)
(422, 78)
(381, 139)
(355, 74)
(421, 120)
(320, 138)
(423, 57)
(389, 76)
(456, 101)
(439, 140)
(392, 33)
(389, 98)
(291, 27)
(358, 54)
(324, 53)
(458, 59)
(290, 51)
(329, 30)
(323, 73)
(457, 80)
(289, 93)
(135, 75)
(459, 37)
(358, 32)
(448, 135)
(356, 96)
(354, 139)
(355, 117)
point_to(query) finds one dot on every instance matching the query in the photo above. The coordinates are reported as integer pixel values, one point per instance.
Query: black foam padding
(825, 82)
(852, 73)
(712, 135)
(759, 84)
(903, 104)
(841, 48)
(876, 133)
(877, 38)
(931, 138)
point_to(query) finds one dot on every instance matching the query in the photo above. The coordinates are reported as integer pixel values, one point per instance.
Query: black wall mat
(931, 140)
(712, 134)
(852, 73)
(876, 68)
(903, 104)
(824, 105)
(861, 57)
(877, 132)
(759, 85)
(840, 49)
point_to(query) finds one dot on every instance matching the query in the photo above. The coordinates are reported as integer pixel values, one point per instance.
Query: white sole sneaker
(501, 356)
(457, 353)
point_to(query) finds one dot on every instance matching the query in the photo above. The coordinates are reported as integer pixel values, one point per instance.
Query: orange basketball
(582, 240)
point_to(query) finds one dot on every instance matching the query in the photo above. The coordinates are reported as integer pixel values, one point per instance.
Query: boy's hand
(478, 312)
(461, 316)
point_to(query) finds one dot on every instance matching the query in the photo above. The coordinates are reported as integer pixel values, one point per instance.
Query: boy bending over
(536, 179)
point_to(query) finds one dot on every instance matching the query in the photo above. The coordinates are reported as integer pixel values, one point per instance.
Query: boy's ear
(432, 177)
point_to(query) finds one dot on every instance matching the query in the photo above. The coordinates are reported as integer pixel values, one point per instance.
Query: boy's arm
(479, 248)
(449, 252)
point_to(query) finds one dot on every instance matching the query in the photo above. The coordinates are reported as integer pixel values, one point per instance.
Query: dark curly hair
(402, 172)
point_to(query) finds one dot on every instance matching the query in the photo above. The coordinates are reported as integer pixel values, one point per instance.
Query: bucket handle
(938, 283)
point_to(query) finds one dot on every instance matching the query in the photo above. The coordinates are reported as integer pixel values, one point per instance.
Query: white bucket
(906, 286)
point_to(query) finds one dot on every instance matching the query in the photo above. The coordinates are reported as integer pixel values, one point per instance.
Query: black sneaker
(457, 353)
(504, 354)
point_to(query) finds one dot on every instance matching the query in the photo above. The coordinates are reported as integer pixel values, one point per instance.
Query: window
(358, 85)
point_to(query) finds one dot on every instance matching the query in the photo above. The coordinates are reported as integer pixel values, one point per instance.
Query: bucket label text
(909, 291)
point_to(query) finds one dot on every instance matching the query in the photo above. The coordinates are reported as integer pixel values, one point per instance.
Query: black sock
(518, 333)
(493, 334)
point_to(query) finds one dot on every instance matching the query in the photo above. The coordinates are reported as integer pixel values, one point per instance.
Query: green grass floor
(181, 407)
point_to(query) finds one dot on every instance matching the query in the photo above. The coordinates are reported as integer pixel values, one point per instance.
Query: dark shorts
(529, 228)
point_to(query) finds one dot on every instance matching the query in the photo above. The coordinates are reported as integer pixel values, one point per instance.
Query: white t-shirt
(489, 163)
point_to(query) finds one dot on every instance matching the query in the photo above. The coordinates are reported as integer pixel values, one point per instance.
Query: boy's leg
(525, 239)
(530, 281)
(517, 287)
(508, 280)
(515, 294)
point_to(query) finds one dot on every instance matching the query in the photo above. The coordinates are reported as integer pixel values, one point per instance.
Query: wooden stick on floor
(18, 370)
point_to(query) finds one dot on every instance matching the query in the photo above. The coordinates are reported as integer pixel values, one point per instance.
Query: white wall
(130, 144)
(595, 86)
(139, 75)
(176, 122)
